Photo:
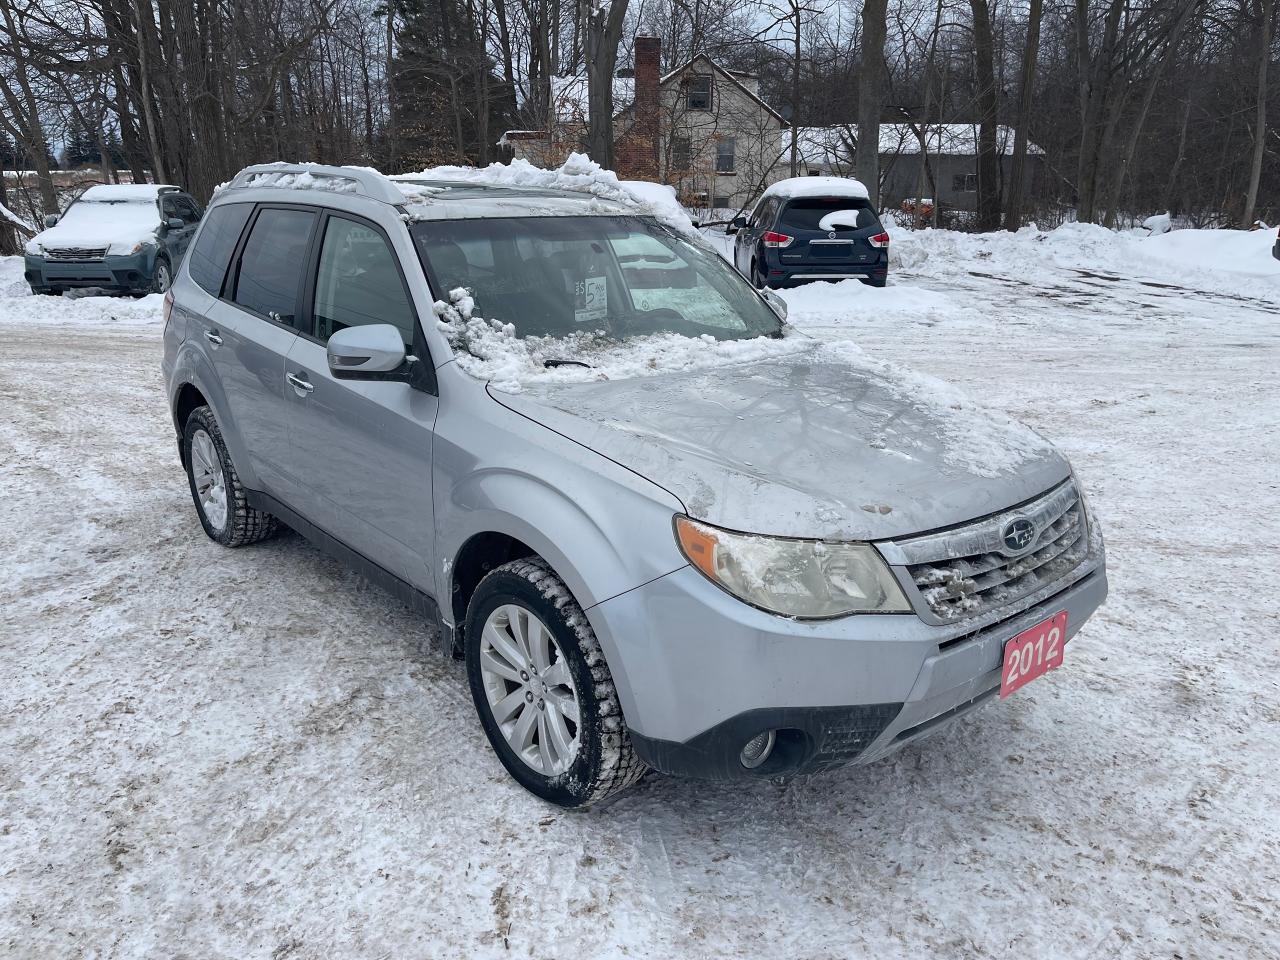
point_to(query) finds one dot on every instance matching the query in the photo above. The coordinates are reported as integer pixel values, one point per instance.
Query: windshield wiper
(560, 362)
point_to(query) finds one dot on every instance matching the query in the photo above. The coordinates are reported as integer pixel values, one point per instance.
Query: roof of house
(569, 94)
(819, 145)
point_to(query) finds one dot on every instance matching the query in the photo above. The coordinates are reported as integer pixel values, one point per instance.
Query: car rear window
(807, 213)
(271, 263)
(210, 255)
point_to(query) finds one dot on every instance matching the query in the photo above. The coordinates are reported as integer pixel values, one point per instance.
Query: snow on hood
(811, 438)
(578, 174)
(119, 226)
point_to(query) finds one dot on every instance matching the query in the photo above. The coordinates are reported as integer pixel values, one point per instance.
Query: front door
(249, 332)
(362, 449)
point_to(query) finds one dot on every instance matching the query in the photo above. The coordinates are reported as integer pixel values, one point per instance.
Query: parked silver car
(754, 570)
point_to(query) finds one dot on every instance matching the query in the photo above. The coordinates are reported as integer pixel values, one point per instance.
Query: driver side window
(358, 282)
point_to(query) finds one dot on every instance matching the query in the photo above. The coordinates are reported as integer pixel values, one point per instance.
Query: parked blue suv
(124, 238)
(812, 228)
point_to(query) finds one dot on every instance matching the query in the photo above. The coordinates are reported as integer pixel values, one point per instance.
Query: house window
(724, 155)
(722, 203)
(965, 183)
(681, 154)
(698, 92)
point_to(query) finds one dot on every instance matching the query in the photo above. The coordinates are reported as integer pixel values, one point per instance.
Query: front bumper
(132, 272)
(699, 673)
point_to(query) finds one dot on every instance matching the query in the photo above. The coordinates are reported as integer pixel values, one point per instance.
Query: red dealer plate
(1033, 653)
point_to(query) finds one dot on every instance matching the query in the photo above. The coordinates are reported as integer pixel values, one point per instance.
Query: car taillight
(168, 306)
(771, 239)
(879, 240)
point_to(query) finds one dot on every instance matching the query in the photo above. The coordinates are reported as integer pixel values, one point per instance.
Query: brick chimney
(648, 102)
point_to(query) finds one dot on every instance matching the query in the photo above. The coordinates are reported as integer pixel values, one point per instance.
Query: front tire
(221, 502)
(542, 689)
(161, 276)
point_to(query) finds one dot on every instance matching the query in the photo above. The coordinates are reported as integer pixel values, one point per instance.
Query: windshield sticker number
(590, 300)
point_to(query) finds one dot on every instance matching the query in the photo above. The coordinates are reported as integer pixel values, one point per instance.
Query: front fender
(601, 542)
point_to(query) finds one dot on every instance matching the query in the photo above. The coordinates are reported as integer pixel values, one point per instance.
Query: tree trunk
(603, 32)
(1030, 53)
(988, 159)
(1266, 13)
(871, 86)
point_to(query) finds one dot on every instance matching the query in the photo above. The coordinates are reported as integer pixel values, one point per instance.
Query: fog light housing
(757, 749)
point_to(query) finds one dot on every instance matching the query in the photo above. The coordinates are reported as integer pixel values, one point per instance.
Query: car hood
(805, 448)
(118, 225)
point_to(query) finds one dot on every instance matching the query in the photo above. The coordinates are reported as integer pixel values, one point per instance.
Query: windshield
(126, 213)
(620, 276)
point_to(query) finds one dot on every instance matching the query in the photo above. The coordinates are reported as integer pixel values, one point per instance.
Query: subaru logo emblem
(1018, 534)
(831, 234)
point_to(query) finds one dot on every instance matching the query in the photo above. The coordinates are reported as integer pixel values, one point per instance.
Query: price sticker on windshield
(590, 300)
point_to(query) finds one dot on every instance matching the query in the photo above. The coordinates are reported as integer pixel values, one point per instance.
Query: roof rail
(363, 180)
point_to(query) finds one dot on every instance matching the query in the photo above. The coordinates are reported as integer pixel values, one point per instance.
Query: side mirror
(175, 223)
(50, 220)
(776, 303)
(372, 351)
(736, 224)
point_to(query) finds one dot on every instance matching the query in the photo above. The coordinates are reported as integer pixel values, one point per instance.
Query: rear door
(829, 231)
(250, 329)
(362, 449)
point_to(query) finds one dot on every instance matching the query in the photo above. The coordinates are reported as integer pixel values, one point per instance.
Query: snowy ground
(210, 753)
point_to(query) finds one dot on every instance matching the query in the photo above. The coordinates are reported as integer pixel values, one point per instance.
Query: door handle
(302, 386)
(212, 337)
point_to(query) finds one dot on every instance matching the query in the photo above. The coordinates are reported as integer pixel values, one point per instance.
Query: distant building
(701, 128)
(950, 149)
(705, 130)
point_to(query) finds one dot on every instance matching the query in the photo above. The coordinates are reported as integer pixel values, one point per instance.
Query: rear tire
(877, 281)
(757, 276)
(574, 750)
(221, 502)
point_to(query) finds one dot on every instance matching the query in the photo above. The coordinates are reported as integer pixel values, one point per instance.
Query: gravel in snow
(216, 753)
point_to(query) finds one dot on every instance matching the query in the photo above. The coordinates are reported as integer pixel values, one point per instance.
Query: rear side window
(358, 282)
(271, 264)
(808, 213)
(207, 262)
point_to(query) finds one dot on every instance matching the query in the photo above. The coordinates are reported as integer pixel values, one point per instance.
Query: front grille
(970, 571)
(75, 254)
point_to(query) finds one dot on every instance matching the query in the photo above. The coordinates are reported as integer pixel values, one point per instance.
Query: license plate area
(1033, 653)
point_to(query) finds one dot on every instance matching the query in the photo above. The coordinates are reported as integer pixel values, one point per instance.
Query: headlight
(125, 249)
(796, 578)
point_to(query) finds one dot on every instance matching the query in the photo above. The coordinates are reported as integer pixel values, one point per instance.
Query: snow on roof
(819, 187)
(577, 175)
(825, 146)
(107, 192)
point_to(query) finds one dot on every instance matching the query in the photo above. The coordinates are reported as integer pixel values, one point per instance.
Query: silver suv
(760, 567)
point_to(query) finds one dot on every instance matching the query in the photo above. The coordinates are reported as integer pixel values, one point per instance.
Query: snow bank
(1231, 251)
(18, 306)
(818, 187)
(578, 174)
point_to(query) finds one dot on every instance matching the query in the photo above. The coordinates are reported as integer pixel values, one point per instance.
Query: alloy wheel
(530, 689)
(206, 472)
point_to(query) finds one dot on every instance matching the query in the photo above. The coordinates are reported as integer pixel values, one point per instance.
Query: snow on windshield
(974, 437)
